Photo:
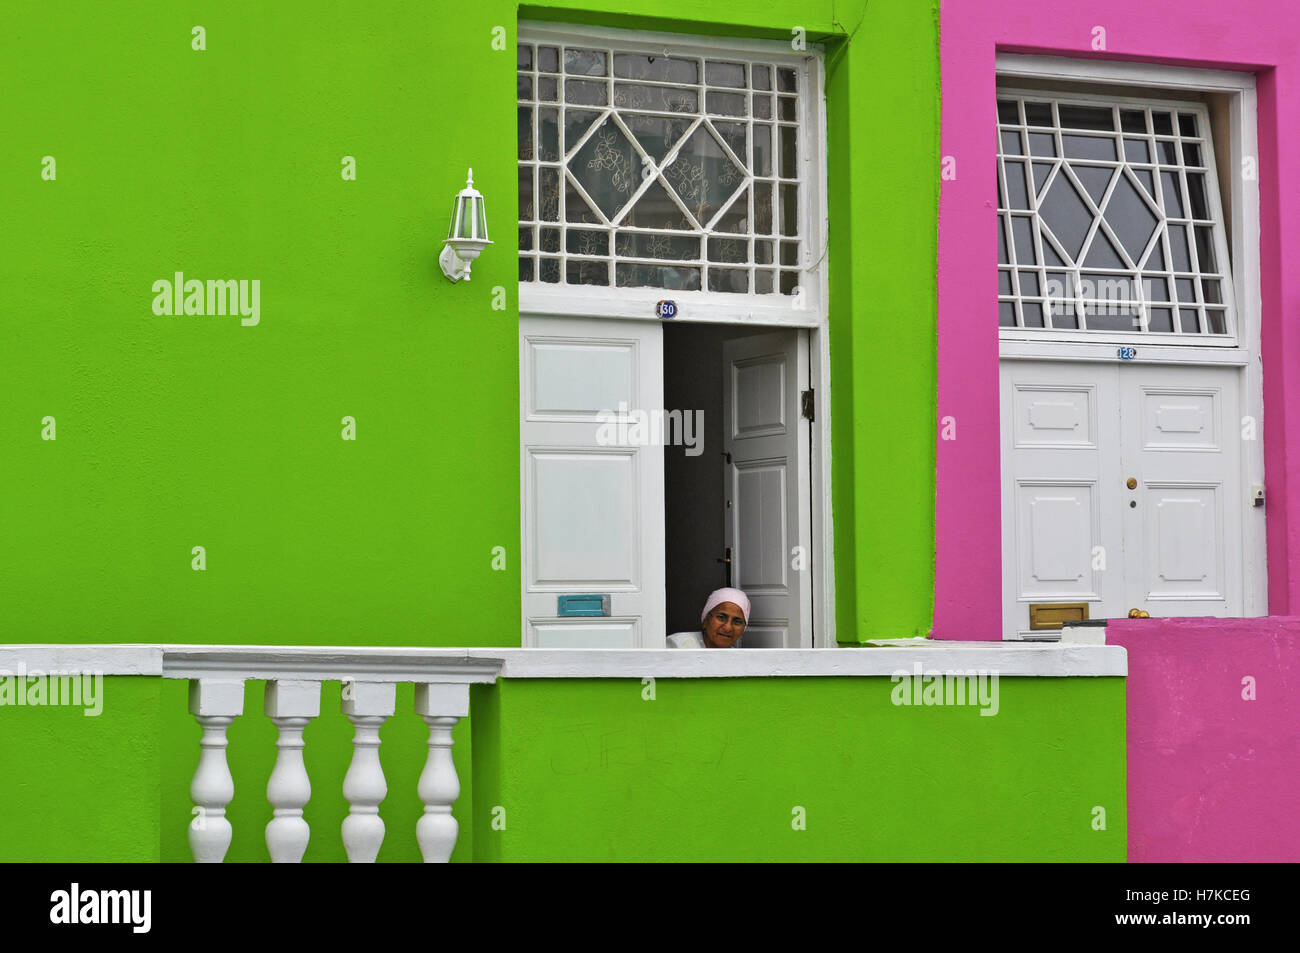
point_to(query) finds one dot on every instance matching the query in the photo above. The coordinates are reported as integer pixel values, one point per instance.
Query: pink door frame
(1258, 36)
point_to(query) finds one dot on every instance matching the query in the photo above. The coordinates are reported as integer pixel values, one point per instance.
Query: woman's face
(724, 626)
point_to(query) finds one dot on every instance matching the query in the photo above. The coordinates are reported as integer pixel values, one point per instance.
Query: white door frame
(817, 461)
(808, 312)
(1243, 229)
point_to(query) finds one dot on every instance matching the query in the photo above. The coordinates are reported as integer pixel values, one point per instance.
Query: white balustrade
(291, 705)
(441, 706)
(293, 677)
(367, 705)
(214, 703)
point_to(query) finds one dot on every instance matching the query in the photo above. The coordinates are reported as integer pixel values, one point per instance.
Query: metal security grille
(1109, 220)
(645, 168)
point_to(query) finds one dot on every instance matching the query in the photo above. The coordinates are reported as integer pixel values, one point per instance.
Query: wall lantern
(468, 234)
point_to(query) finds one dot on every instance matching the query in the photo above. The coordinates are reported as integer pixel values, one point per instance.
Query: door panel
(1182, 437)
(764, 439)
(592, 505)
(1061, 529)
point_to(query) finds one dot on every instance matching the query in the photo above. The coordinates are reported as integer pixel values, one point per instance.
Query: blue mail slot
(595, 604)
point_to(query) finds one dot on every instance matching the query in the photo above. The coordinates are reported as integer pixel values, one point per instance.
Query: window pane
(1133, 120)
(1016, 191)
(584, 62)
(1039, 114)
(642, 165)
(1086, 117)
(1124, 196)
(1088, 147)
(1042, 144)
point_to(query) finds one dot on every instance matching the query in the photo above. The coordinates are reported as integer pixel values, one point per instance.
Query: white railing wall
(442, 678)
(293, 689)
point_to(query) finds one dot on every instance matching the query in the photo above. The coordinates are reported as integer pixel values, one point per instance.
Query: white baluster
(214, 703)
(290, 705)
(368, 705)
(441, 706)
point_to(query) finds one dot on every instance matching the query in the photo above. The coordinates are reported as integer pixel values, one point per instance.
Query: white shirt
(686, 640)
(690, 640)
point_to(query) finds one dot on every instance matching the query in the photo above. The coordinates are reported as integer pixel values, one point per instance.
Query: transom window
(646, 167)
(1109, 220)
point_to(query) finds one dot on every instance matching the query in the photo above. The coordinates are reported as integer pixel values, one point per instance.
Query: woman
(722, 623)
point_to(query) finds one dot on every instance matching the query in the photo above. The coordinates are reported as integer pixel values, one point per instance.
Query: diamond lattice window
(640, 169)
(1109, 220)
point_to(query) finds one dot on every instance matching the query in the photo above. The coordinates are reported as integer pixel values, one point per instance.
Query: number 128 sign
(1127, 353)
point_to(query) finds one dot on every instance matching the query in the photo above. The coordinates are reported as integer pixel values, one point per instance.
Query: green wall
(183, 431)
(712, 770)
(75, 788)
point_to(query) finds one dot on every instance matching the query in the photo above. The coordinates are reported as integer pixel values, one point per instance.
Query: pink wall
(1262, 36)
(1211, 776)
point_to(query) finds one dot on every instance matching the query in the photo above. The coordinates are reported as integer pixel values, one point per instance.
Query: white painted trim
(1147, 353)
(485, 665)
(1050, 660)
(312, 663)
(82, 659)
(823, 522)
(541, 31)
(638, 304)
(1095, 70)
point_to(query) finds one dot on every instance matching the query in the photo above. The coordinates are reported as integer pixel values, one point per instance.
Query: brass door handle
(1131, 483)
(1138, 614)
(727, 561)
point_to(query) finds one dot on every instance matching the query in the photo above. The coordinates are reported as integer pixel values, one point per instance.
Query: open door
(593, 521)
(765, 447)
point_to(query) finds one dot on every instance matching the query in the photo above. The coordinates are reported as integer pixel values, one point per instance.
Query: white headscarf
(719, 596)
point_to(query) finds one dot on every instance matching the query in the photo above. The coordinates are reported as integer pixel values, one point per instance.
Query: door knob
(727, 561)
(1131, 483)
(1138, 614)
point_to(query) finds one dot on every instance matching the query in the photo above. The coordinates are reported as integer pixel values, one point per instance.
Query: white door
(1182, 436)
(765, 445)
(592, 491)
(1061, 530)
(1124, 490)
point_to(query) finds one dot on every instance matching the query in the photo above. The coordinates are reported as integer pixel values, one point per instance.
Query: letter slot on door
(596, 604)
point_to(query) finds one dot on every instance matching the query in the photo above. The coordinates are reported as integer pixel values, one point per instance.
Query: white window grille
(1110, 221)
(683, 169)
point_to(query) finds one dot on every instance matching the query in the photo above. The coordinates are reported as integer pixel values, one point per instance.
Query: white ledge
(1007, 659)
(329, 663)
(104, 659)
(468, 665)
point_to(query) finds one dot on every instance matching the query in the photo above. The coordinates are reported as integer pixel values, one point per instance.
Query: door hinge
(806, 403)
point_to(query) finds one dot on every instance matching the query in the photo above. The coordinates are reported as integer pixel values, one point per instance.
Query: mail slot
(596, 604)
(1050, 615)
